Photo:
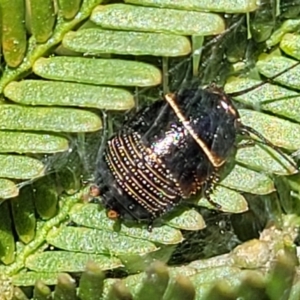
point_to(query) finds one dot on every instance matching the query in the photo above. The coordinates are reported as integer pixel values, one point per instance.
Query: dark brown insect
(169, 151)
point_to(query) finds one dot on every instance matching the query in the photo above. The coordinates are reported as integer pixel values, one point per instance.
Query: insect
(169, 151)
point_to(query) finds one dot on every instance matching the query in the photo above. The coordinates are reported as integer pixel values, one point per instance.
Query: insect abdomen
(141, 176)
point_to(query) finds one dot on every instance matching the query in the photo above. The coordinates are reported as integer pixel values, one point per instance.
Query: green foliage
(85, 56)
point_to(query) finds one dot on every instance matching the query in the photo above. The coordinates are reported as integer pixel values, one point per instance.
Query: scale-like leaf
(97, 41)
(20, 167)
(229, 200)
(188, 220)
(24, 215)
(98, 71)
(50, 93)
(8, 189)
(91, 283)
(155, 282)
(271, 65)
(138, 18)
(63, 261)
(46, 197)
(97, 241)
(289, 25)
(7, 240)
(91, 215)
(290, 44)
(30, 278)
(28, 142)
(281, 133)
(15, 117)
(224, 6)
(246, 180)
(14, 40)
(42, 19)
(269, 97)
(69, 8)
(263, 158)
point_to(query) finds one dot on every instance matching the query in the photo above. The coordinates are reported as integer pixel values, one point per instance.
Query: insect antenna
(198, 51)
(246, 130)
(269, 80)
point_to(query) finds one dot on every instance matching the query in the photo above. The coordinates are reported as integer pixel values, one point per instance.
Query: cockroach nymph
(169, 151)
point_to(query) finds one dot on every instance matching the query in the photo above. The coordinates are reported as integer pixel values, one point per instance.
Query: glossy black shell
(167, 152)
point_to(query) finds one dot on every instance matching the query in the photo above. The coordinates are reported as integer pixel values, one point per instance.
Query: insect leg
(156, 121)
(246, 130)
(210, 185)
(246, 144)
